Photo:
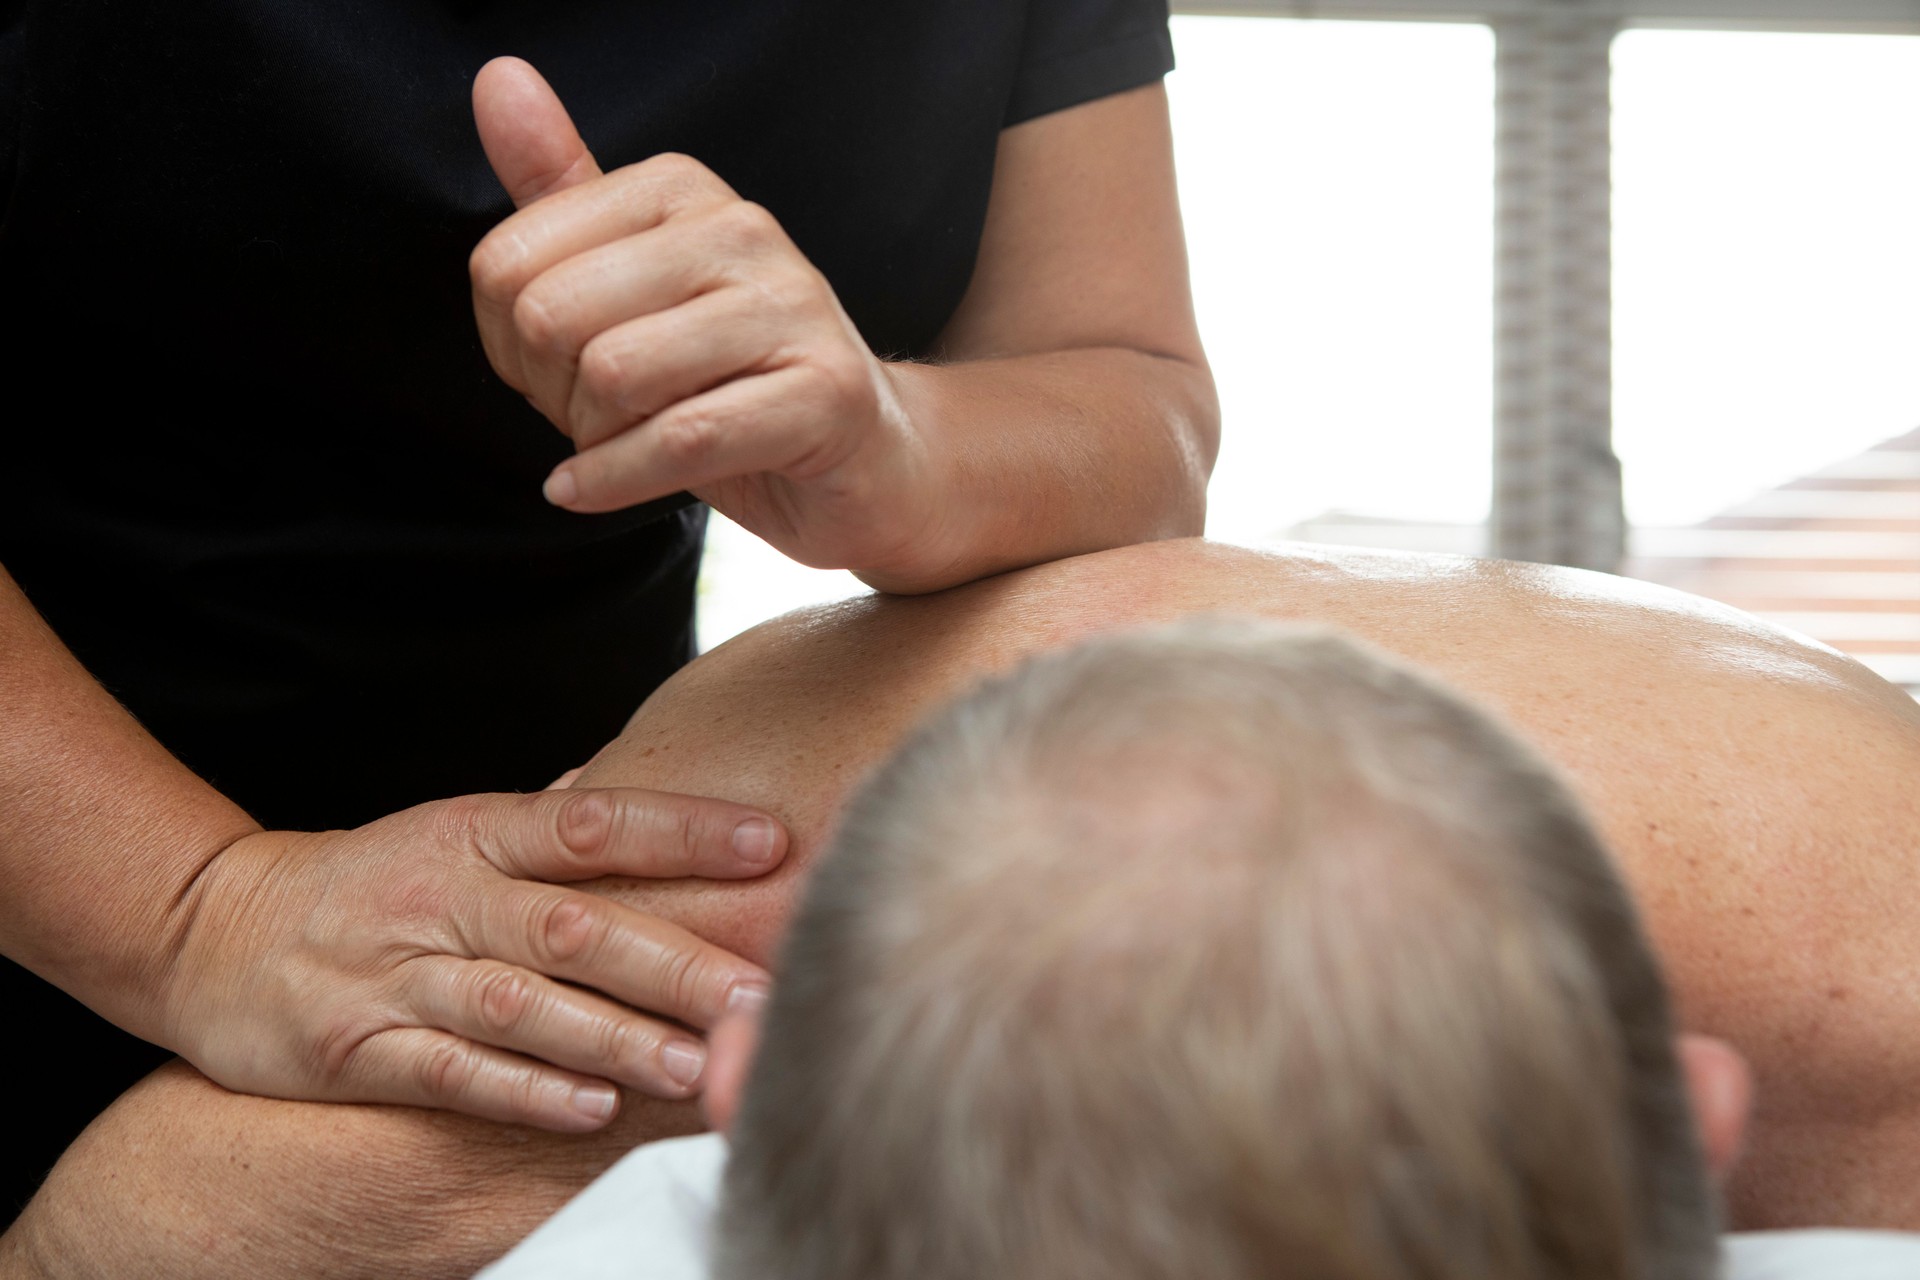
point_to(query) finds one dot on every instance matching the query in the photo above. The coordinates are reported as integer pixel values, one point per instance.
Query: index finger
(646, 963)
(569, 222)
(581, 834)
(585, 216)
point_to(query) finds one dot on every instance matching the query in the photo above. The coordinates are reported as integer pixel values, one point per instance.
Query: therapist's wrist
(935, 542)
(195, 954)
(119, 948)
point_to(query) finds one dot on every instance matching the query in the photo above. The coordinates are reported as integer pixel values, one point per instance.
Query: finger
(510, 1008)
(785, 421)
(573, 221)
(638, 959)
(562, 310)
(527, 134)
(582, 833)
(566, 779)
(421, 1067)
(535, 152)
(637, 369)
(626, 202)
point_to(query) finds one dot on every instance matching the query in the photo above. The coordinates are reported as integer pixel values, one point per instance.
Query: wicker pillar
(1556, 492)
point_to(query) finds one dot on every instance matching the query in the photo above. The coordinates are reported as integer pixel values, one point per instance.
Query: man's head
(1215, 950)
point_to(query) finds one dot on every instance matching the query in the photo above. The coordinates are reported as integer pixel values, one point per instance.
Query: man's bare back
(1756, 788)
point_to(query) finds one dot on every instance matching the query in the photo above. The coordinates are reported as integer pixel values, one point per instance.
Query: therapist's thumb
(528, 136)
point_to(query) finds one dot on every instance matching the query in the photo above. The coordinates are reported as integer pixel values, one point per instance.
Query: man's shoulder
(646, 1218)
(1823, 1255)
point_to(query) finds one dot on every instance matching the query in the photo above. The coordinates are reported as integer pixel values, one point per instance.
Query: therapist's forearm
(182, 1180)
(1050, 455)
(1072, 410)
(101, 830)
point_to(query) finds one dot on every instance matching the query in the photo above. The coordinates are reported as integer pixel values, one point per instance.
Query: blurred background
(1534, 278)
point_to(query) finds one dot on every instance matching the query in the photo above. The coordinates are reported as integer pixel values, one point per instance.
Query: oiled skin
(1759, 791)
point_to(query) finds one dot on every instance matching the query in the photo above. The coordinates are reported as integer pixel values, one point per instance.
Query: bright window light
(1337, 185)
(743, 582)
(1336, 181)
(1767, 266)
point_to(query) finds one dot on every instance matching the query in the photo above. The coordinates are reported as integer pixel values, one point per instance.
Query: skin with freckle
(1756, 788)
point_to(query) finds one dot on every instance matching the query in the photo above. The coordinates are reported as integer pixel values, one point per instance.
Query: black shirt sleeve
(1079, 50)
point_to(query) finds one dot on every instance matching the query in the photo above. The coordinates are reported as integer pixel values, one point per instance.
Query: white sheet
(647, 1218)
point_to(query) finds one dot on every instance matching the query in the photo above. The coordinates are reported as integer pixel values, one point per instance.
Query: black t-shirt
(254, 468)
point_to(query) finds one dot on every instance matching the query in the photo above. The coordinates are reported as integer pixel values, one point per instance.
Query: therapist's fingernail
(754, 841)
(561, 488)
(596, 1102)
(748, 997)
(683, 1061)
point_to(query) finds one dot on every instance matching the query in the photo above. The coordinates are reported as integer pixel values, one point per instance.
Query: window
(1767, 269)
(1336, 181)
(1337, 184)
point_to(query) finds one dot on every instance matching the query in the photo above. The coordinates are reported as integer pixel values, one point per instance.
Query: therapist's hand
(434, 958)
(682, 341)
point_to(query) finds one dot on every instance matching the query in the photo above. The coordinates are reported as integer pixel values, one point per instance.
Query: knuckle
(585, 822)
(418, 895)
(682, 977)
(688, 832)
(603, 371)
(747, 225)
(791, 291)
(676, 166)
(565, 929)
(686, 440)
(444, 1068)
(338, 1044)
(458, 823)
(495, 268)
(501, 998)
(525, 1093)
(541, 323)
(619, 1040)
(681, 183)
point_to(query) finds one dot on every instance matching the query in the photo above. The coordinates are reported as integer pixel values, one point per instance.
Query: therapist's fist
(434, 958)
(681, 339)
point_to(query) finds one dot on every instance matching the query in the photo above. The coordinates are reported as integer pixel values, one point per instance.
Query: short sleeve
(1079, 50)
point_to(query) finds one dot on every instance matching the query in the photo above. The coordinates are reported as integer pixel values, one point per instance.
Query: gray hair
(1220, 950)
